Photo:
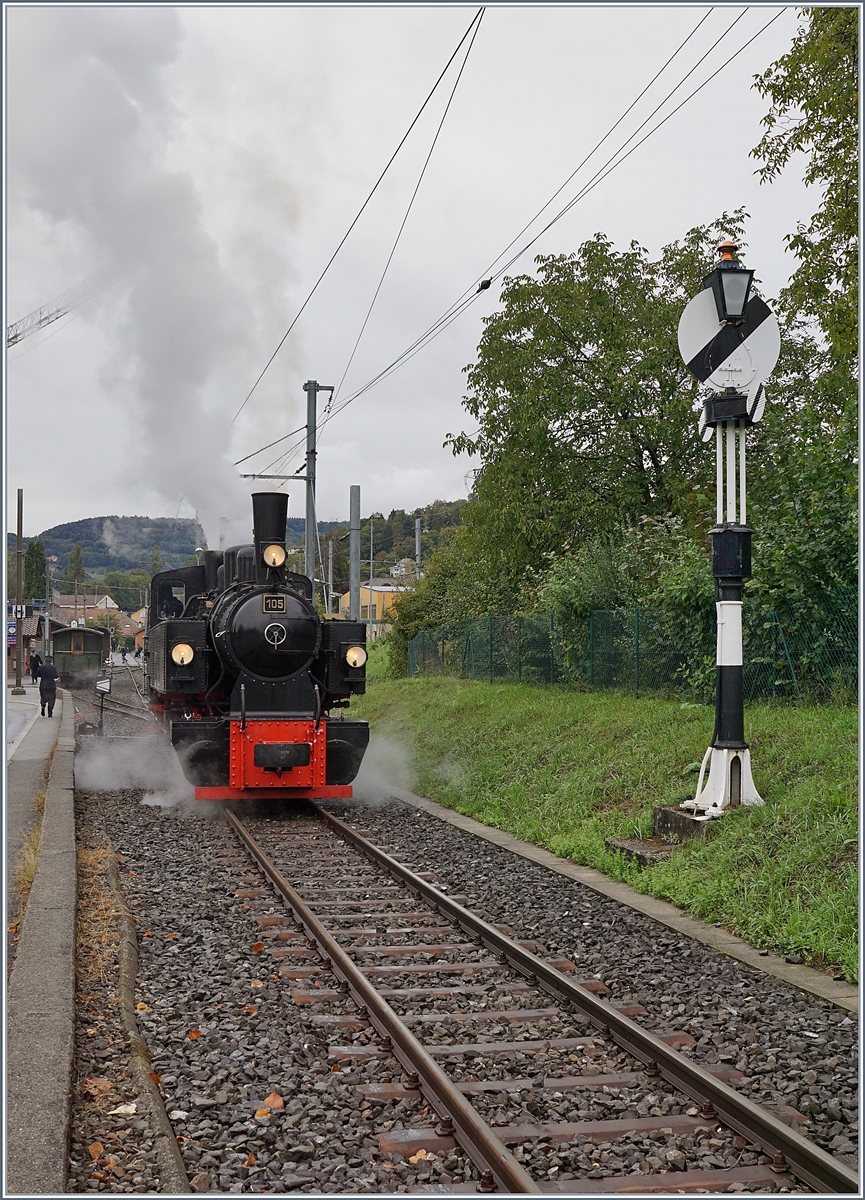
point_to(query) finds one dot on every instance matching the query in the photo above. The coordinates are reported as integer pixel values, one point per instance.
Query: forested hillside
(121, 543)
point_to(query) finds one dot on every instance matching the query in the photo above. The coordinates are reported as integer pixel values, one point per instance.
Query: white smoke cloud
(147, 762)
(91, 120)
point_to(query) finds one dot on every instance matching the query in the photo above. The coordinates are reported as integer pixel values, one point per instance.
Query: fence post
(592, 649)
(491, 648)
(519, 650)
(444, 672)
(423, 652)
(637, 650)
(552, 664)
(780, 629)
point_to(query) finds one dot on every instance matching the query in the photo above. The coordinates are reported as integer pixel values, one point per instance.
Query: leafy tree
(814, 94)
(155, 564)
(128, 589)
(108, 620)
(805, 500)
(75, 566)
(586, 412)
(34, 571)
(11, 578)
(803, 476)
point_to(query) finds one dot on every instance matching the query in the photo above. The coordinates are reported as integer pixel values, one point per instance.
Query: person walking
(35, 664)
(48, 676)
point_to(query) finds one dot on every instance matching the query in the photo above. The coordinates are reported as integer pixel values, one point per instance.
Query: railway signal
(729, 341)
(103, 687)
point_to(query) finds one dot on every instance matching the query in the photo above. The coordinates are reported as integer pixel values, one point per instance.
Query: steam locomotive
(244, 675)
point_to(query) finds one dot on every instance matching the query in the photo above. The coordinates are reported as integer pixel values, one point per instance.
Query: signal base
(730, 783)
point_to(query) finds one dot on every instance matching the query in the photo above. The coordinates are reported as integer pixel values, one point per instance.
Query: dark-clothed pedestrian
(35, 664)
(48, 676)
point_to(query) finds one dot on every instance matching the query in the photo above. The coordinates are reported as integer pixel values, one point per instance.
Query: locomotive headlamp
(355, 656)
(182, 654)
(274, 556)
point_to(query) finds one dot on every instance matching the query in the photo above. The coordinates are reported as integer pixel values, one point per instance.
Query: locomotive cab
(243, 673)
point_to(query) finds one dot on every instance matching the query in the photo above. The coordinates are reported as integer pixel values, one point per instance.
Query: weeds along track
(496, 1049)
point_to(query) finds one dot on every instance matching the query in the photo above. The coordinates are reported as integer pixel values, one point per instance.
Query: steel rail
(478, 1140)
(804, 1158)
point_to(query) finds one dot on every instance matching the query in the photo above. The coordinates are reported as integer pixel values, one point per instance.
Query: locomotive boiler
(245, 677)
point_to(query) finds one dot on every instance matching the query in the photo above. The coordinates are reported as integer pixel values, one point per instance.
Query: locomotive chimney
(212, 562)
(269, 513)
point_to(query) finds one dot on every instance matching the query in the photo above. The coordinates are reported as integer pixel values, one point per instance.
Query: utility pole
(417, 548)
(376, 516)
(329, 575)
(46, 641)
(312, 388)
(354, 553)
(18, 690)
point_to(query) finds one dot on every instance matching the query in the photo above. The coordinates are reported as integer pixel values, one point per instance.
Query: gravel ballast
(227, 1042)
(794, 1049)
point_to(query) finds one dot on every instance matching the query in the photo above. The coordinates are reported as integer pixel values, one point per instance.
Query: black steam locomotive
(243, 674)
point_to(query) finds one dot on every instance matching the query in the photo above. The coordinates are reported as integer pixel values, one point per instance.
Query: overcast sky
(201, 164)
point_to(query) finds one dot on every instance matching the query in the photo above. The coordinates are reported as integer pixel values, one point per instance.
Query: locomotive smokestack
(269, 513)
(212, 563)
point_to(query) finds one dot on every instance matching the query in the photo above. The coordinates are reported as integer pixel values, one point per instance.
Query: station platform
(40, 991)
(30, 739)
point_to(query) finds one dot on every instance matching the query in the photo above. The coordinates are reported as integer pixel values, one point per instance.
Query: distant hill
(121, 543)
(294, 528)
(124, 543)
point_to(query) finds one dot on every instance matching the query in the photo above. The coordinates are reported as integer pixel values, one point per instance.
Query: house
(82, 599)
(69, 616)
(404, 569)
(377, 596)
(139, 616)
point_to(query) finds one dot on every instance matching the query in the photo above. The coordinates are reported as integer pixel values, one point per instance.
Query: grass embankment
(567, 769)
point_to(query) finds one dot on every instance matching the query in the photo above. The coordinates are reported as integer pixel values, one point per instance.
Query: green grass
(567, 769)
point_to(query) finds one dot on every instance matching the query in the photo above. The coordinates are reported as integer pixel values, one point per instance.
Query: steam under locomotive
(244, 675)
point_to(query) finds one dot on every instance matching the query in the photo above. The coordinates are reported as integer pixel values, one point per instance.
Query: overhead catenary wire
(261, 449)
(280, 461)
(335, 395)
(360, 212)
(467, 299)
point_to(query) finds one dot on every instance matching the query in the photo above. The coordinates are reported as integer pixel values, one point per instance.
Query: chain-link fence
(795, 651)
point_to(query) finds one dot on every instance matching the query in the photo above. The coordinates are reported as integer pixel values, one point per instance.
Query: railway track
(508, 1051)
(115, 706)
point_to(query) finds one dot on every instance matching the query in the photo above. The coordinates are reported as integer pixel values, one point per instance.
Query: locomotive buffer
(730, 341)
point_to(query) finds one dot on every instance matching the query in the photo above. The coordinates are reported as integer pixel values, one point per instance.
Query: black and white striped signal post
(730, 341)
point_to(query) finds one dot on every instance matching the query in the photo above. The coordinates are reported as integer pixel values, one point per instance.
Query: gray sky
(206, 161)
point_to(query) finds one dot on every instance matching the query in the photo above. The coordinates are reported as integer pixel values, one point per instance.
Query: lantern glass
(735, 286)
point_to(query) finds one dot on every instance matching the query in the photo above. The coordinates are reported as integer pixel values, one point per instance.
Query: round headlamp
(182, 654)
(274, 556)
(355, 656)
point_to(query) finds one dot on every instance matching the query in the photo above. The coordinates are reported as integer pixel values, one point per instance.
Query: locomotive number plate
(273, 604)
